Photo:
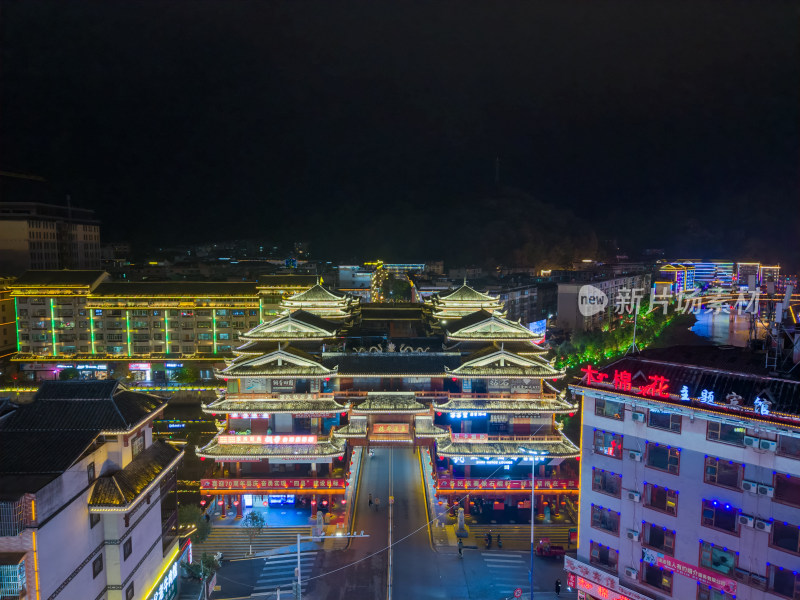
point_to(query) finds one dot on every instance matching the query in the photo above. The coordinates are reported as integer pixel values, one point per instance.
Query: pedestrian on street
(558, 587)
(370, 500)
(377, 504)
(460, 548)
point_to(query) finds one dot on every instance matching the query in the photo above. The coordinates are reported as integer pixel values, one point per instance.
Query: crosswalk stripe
(503, 554)
(502, 563)
(292, 555)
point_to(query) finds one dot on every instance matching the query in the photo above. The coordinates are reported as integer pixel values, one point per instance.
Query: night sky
(372, 129)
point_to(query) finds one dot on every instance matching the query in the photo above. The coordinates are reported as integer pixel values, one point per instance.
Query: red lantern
(324, 503)
(202, 502)
(221, 502)
(202, 458)
(344, 501)
(438, 414)
(571, 414)
(344, 413)
(265, 503)
(236, 503)
(313, 503)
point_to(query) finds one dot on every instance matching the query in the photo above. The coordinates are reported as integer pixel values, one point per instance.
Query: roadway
(367, 566)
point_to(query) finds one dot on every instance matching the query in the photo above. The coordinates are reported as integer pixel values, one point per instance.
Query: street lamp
(536, 454)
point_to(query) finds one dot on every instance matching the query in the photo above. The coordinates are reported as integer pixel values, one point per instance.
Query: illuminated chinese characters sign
(401, 428)
(267, 439)
(597, 590)
(446, 483)
(167, 588)
(658, 387)
(271, 485)
(470, 437)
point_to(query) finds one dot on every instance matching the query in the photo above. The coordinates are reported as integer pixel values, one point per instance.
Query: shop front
(593, 584)
(239, 494)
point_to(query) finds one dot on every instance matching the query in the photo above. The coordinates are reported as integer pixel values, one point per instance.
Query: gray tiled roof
(720, 371)
(563, 448)
(147, 289)
(301, 452)
(64, 278)
(124, 486)
(82, 406)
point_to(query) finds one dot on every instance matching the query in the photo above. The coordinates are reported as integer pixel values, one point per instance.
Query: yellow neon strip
(164, 569)
(33, 510)
(35, 564)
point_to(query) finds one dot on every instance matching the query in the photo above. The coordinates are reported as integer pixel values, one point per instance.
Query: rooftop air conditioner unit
(763, 525)
(752, 442)
(633, 535)
(634, 495)
(768, 445)
(635, 455)
(631, 572)
(638, 417)
(766, 490)
(746, 520)
(750, 486)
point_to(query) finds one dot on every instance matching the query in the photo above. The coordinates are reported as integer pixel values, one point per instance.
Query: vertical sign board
(167, 588)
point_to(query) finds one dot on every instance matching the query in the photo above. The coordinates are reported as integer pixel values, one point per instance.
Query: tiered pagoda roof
(462, 302)
(553, 446)
(321, 302)
(285, 361)
(494, 361)
(390, 403)
(484, 326)
(309, 404)
(514, 404)
(300, 452)
(297, 325)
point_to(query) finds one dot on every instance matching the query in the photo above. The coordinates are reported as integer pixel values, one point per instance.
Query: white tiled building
(87, 499)
(690, 483)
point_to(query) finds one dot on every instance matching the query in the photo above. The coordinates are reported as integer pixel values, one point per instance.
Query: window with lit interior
(720, 515)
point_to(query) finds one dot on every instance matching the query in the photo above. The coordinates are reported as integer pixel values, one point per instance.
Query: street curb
(427, 501)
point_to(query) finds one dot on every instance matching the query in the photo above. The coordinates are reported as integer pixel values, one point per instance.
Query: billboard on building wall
(538, 327)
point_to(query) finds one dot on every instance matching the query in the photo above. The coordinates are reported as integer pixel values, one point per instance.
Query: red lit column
(239, 506)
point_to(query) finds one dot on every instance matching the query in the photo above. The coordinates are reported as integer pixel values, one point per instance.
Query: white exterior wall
(67, 545)
(753, 545)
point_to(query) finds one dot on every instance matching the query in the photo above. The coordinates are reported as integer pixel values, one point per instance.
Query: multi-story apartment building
(617, 289)
(87, 499)
(8, 326)
(80, 319)
(451, 375)
(34, 235)
(690, 483)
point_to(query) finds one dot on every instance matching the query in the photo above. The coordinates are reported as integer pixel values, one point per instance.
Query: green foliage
(599, 345)
(254, 523)
(69, 374)
(191, 515)
(203, 568)
(186, 375)
(396, 289)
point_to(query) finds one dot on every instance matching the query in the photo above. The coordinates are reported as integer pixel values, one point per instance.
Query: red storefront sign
(267, 439)
(268, 485)
(595, 589)
(470, 437)
(447, 483)
(390, 428)
(602, 582)
(704, 576)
